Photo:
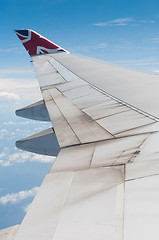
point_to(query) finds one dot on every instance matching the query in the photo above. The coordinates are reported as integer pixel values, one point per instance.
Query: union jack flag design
(36, 44)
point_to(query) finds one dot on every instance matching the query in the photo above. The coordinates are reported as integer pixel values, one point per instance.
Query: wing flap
(80, 125)
(146, 163)
(101, 154)
(77, 205)
(64, 132)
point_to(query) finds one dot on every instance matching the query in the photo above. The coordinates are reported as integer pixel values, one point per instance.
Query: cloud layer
(122, 22)
(9, 95)
(19, 83)
(7, 159)
(14, 198)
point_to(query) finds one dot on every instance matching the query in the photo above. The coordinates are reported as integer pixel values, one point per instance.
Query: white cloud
(118, 22)
(7, 159)
(122, 22)
(21, 70)
(102, 45)
(3, 130)
(26, 208)
(25, 88)
(156, 39)
(14, 198)
(2, 155)
(42, 158)
(156, 71)
(19, 123)
(9, 95)
(43, 124)
(4, 133)
(22, 83)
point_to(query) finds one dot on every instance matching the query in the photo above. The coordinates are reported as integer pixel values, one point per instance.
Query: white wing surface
(105, 141)
(8, 233)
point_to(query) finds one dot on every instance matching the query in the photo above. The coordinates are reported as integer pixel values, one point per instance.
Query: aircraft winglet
(36, 44)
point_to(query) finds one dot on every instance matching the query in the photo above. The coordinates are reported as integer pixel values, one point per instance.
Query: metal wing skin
(105, 138)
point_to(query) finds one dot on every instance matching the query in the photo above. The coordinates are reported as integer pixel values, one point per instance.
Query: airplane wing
(104, 140)
(8, 233)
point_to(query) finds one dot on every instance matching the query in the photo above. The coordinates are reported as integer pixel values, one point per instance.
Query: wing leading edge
(104, 142)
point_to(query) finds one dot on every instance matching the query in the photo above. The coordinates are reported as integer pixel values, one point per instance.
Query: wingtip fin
(36, 44)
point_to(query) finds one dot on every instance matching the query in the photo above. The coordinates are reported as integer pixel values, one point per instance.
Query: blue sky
(121, 32)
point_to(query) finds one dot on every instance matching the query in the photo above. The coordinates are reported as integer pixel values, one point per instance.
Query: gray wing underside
(104, 142)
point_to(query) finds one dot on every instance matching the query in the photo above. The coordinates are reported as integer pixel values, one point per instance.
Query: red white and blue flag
(37, 44)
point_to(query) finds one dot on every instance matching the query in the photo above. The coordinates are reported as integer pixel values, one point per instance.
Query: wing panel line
(113, 97)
